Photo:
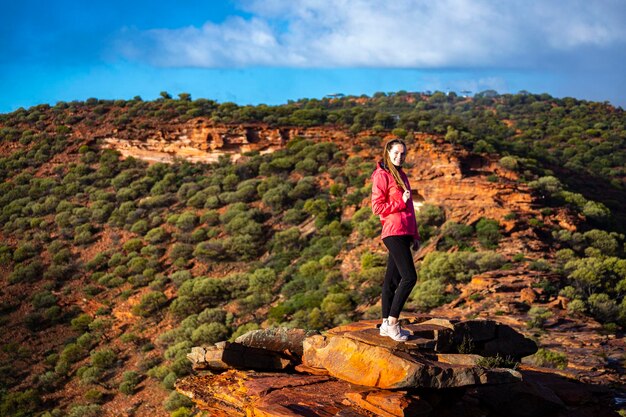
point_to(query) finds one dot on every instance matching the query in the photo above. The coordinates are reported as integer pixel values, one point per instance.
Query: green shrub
(182, 412)
(277, 198)
(370, 228)
(294, 216)
(576, 307)
(550, 359)
(95, 395)
(602, 307)
(29, 272)
(43, 299)
(187, 221)
(175, 401)
(71, 353)
(606, 242)
(209, 333)
(430, 215)
(169, 380)
(140, 227)
(20, 403)
(103, 358)
(179, 277)
(91, 410)
(285, 240)
(487, 231)
(130, 379)
(455, 234)
(540, 265)
(81, 323)
(489, 261)
(546, 186)
(337, 306)
(509, 162)
(150, 304)
(372, 260)
(212, 315)
(157, 235)
(428, 294)
(63, 256)
(211, 251)
(25, 251)
(133, 245)
(304, 189)
(538, 317)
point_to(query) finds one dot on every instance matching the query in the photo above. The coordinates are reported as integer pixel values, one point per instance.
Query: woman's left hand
(416, 244)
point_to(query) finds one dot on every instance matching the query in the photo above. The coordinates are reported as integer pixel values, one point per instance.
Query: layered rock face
(446, 176)
(353, 371)
(200, 140)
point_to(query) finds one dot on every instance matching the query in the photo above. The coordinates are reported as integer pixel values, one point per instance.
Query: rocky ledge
(446, 368)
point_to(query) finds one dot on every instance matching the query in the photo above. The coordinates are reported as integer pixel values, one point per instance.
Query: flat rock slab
(239, 393)
(385, 403)
(378, 366)
(373, 337)
(458, 359)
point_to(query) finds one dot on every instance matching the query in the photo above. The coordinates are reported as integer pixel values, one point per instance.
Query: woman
(391, 201)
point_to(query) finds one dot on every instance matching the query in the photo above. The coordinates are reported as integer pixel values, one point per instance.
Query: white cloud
(374, 33)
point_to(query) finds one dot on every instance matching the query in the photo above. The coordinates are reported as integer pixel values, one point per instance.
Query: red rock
(364, 364)
(390, 403)
(238, 393)
(475, 330)
(276, 339)
(225, 355)
(458, 359)
(524, 399)
(528, 295)
(303, 369)
(508, 342)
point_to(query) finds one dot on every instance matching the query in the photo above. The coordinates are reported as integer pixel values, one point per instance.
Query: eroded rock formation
(352, 371)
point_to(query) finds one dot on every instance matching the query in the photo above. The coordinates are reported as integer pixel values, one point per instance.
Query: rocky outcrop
(376, 366)
(353, 371)
(201, 140)
(358, 354)
(198, 140)
(270, 349)
(453, 178)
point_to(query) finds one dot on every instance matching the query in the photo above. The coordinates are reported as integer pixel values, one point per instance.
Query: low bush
(550, 359)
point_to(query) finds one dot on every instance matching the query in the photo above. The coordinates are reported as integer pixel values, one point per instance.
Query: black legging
(400, 277)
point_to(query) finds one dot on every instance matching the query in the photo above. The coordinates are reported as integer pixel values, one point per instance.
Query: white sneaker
(396, 332)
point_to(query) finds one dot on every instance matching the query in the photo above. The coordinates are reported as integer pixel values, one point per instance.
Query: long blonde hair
(389, 165)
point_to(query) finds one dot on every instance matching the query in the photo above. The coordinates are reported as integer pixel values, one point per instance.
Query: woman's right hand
(406, 195)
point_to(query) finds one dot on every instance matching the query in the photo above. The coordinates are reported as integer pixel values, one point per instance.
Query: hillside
(132, 231)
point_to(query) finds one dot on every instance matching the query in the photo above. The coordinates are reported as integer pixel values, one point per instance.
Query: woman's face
(397, 153)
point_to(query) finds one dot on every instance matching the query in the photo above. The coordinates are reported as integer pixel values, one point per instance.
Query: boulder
(225, 355)
(355, 361)
(474, 330)
(508, 342)
(525, 399)
(276, 340)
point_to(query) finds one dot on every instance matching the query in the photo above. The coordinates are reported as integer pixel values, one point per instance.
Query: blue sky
(271, 51)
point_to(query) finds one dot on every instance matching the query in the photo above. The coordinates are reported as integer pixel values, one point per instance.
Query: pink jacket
(397, 217)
